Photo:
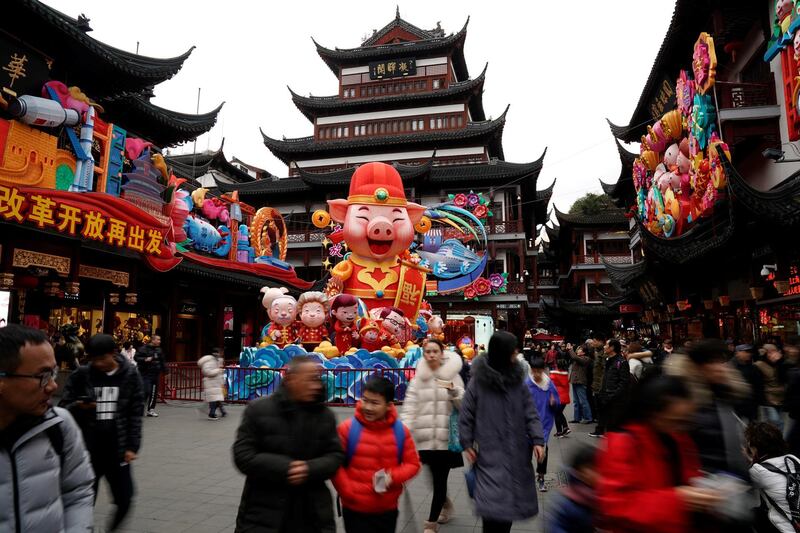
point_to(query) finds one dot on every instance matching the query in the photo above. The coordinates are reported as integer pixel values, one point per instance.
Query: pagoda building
(734, 273)
(89, 205)
(405, 97)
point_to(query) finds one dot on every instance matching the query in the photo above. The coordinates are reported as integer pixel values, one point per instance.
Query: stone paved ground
(185, 479)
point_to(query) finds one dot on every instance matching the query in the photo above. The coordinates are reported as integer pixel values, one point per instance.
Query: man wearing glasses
(287, 446)
(107, 399)
(45, 474)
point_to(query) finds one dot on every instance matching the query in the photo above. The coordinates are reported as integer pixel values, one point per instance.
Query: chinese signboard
(794, 282)
(22, 70)
(393, 68)
(91, 216)
(664, 98)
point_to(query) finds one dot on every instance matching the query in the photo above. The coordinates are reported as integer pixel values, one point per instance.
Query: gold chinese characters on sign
(392, 68)
(46, 213)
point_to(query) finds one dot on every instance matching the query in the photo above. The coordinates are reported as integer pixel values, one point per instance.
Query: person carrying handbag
(432, 395)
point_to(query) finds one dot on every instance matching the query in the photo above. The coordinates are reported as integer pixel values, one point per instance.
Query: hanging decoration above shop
(785, 41)
(678, 175)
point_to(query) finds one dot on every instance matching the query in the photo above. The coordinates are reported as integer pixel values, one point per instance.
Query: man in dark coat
(287, 446)
(150, 361)
(106, 398)
(500, 431)
(614, 389)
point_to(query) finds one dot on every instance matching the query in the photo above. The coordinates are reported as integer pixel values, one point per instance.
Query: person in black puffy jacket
(106, 398)
(287, 446)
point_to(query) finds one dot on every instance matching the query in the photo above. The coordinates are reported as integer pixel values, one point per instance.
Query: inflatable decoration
(678, 176)
(313, 313)
(344, 316)
(371, 336)
(268, 234)
(320, 218)
(436, 328)
(378, 228)
(704, 63)
(282, 311)
(393, 327)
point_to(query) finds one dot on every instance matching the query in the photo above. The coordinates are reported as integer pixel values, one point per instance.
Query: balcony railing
(305, 236)
(733, 95)
(597, 259)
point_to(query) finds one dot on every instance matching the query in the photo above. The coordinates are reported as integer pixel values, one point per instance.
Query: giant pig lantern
(378, 227)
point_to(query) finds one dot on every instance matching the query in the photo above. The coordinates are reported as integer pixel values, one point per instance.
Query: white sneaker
(151, 412)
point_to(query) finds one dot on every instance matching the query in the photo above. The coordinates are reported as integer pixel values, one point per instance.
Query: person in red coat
(646, 468)
(560, 378)
(371, 479)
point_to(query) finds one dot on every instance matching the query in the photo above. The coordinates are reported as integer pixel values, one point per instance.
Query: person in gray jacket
(500, 431)
(45, 474)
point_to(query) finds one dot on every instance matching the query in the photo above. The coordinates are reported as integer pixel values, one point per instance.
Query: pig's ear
(415, 212)
(338, 209)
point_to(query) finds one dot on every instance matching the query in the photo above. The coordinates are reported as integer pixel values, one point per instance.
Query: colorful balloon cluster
(678, 175)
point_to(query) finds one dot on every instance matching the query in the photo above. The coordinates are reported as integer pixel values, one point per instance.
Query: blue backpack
(355, 435)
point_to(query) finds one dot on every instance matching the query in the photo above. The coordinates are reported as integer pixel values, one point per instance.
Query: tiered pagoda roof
(705, 236)
(488, 133)
(469, 90)
(100, 69)
(163, 127)
(466, 174)
(451, 45)
(400, 29)
(779, 206)
(607, 217)
(689, 18)
(192, 166)
(622, 192)
(122, 81)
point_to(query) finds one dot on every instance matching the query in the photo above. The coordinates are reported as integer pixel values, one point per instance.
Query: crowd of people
(688, 438)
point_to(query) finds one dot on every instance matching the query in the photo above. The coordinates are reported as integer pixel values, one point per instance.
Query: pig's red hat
(376, 184)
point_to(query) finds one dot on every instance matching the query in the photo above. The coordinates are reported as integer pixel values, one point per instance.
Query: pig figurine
(282, 310)
(313, 313)
(378, 227)
(671, 157)
(436, 328)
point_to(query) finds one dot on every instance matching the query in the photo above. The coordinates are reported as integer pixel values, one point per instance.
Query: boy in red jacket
(379, 457)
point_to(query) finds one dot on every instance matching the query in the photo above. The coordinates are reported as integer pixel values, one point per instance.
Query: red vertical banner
(790, 92)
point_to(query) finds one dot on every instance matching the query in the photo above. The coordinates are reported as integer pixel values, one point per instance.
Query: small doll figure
(311, 328)
(282, 311)
(436, 328)
(344, 313)
(371, 337)
(393, 326)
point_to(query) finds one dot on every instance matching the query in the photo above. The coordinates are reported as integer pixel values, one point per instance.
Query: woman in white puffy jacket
(433, 395)
(213, 371)
(771, 462)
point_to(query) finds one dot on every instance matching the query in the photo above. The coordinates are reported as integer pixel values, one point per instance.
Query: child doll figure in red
(311, 329)
(371, 337)
(344, 313)
(393, 326)
(282, 311)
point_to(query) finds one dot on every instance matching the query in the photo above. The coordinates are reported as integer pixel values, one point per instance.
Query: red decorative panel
(790, 88)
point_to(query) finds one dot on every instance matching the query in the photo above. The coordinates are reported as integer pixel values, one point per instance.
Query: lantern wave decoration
(678, 176)
(454, 265)
(266, 364)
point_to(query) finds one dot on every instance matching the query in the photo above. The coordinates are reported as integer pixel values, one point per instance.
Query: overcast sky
(563, 66)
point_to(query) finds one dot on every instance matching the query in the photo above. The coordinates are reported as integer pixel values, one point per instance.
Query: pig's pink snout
(380, 229)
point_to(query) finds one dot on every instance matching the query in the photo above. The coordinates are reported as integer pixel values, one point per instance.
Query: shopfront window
(135, 327)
